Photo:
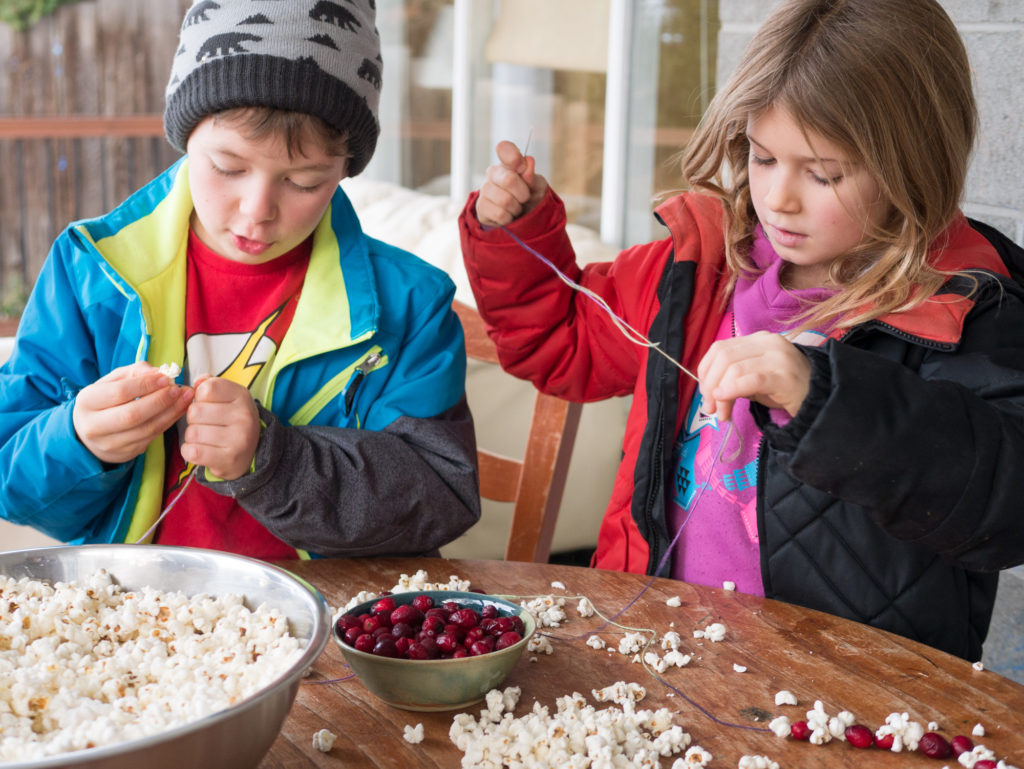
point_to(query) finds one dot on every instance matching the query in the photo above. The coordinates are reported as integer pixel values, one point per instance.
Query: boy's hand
(223, 428)
(763, 367)
(511, 190)
(117, 416)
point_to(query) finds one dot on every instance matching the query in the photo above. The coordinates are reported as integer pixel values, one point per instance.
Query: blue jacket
(368, 446)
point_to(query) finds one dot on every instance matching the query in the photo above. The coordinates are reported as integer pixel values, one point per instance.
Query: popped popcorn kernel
(729, 585)
(739, 668)
(780, 726)
(323, 740)
(785, 697)
(674, 601)
(585, 607)
(557, 585)
(979, 665)
(413, 734)
(596, 642)
(978, 730)
(757, 762)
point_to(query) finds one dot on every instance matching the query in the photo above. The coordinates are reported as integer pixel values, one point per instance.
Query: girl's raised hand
(512, 188)
(118, 415)
(762, 367)
(223, 428)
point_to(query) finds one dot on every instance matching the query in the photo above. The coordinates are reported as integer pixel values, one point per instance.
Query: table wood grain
(847, 665)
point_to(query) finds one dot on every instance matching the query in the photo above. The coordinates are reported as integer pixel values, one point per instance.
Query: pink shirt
(714, 487)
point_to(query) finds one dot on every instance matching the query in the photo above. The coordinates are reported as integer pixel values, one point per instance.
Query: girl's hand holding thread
(223, 428)
(762, 367)
(119, 415)
(511, 190)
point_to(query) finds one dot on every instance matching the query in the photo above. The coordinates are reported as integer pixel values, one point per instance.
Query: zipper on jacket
(655, 543)
(360, 373)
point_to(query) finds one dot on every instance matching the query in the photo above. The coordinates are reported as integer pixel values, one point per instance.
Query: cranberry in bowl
(433, 650)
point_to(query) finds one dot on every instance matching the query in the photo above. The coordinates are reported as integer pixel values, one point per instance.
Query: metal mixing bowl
(235, 738)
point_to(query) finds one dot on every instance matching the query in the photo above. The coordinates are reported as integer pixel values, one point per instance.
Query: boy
(322, 406)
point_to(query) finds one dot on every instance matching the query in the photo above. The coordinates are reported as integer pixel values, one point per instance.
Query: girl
(855, 441)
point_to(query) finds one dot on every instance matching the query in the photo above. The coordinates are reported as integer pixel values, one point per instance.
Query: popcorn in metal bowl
(143, 655)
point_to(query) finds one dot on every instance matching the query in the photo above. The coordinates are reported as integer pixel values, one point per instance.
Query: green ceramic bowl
(439, 684)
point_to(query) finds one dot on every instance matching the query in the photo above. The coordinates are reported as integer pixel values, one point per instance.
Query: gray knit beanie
(313, 56)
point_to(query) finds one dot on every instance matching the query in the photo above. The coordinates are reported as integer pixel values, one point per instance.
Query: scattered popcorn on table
(596, 642)
(677, 658)
(695, 757)
(546, 609)
(739, 668)
(729, 585)
(631, 643)
(757, 762)
(980, 753)
(323, 740)
(620, 692)
(557, 585)
(413, 734)
(933, 726)
(585, 607)
(713, 632)
(978, 730)
(906, 734)
(780, 726)
(674, 601)
(87, 663)
(979, 665)
(575, 735)
(655, 662)
(539, 643)
(785, 697)
(671, 640)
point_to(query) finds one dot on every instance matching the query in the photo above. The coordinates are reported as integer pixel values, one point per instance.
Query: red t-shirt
(235, 318)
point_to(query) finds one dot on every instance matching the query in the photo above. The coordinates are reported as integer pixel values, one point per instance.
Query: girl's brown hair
(889, 82)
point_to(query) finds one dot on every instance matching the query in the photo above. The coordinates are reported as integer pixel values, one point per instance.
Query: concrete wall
(993, 31)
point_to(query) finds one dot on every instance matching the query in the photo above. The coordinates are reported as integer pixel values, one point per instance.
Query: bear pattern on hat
(316, 56)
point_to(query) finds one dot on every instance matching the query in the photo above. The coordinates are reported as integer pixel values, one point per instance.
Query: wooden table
(846, 665)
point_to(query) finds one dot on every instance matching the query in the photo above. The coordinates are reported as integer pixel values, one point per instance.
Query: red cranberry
(859, 736)
(373, 623)
(383, 606)
(799, 730)
(961, 744)
(518, 625)
(459, 653)
(456, 631)
(482, 646)
(345, 621)
(433, 625)
(423, 602)
(465, 618)
(402, 630)
(505, 640)
(402, 644)
(935, 746)
(504, 624)
(381, 631)
(439, 612)
(884, 742)
(352, 634)
(986, 763)
(474, 634)
(406, 613)
(450, 606)
(446, 643)
(365, 643)
(385, 647)
(490, 611)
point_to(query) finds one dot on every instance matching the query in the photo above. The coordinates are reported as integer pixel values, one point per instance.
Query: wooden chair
(536, 482)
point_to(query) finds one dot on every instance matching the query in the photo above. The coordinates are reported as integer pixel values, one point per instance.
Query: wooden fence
(81, 96)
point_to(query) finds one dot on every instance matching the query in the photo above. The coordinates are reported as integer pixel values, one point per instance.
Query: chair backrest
(536, 482)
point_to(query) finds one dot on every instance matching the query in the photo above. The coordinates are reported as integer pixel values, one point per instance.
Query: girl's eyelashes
(758, 160)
